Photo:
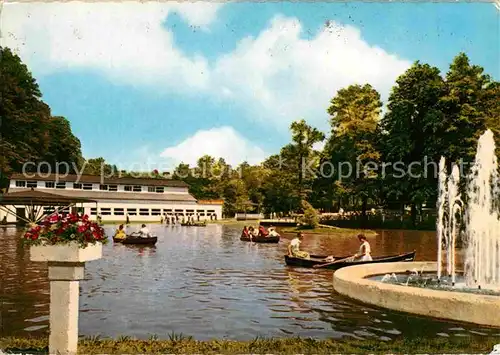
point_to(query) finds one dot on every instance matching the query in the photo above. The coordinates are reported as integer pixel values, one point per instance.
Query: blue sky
(147, 86)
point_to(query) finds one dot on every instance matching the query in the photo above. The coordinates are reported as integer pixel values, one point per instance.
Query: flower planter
(66, 263)
(65, 243)
(66, 253)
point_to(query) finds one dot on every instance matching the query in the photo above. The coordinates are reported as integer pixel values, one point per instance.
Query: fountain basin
(459, 306)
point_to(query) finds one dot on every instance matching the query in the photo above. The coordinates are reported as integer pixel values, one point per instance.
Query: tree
(235, 197)
(413, 131)
(355, 113)
(63, 145)
(28, 132)
(303, 139)
(310, 218)
(24, 116)
(98, 166)
(254, 178)
(470, 105)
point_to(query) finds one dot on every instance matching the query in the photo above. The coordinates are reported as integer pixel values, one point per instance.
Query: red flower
(72, 226)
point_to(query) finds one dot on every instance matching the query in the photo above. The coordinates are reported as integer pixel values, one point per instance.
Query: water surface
(206, 283)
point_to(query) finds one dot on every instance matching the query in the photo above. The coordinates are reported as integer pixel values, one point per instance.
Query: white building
(141, 199)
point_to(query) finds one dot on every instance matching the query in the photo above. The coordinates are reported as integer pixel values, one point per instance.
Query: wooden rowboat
(261, 239)
(193, 224)
(320, 259)
(137, 240)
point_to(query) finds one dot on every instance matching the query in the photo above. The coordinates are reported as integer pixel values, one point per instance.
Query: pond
(206, 283)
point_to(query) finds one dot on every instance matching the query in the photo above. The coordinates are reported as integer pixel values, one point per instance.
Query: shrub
(310, 218)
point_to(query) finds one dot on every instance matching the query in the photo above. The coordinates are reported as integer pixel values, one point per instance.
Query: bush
(311, 217)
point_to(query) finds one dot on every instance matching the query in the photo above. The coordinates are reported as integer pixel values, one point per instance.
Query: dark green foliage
(310, 218)
(427, 117)
(28, 131)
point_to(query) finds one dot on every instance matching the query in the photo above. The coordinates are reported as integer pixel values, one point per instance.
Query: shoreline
(180, 344)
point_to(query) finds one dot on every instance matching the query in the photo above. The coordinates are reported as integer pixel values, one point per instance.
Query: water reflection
(205, 282)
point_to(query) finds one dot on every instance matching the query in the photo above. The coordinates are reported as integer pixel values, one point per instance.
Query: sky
(148, 85)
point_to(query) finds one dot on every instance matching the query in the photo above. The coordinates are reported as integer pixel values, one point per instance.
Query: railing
(248, 216)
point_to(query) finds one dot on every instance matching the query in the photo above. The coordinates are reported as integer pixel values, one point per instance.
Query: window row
(147, 212)
(87, 186)
(49, 210)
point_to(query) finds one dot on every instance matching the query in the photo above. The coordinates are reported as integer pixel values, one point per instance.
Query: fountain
(481, 219)
(473, 217)
(482, 262)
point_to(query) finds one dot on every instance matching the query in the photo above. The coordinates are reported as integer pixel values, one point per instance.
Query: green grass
(331, 231)
(233, 221)
(179, 344)
(131, 222)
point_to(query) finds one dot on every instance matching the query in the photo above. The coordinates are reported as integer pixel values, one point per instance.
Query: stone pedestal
(66, 268)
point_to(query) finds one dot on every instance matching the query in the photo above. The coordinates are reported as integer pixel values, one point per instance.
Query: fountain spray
(481, 218)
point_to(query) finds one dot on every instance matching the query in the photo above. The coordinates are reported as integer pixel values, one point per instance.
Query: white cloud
(125, 41)
(281, 76)
(319, 146)
(222, 142)
(276, 77)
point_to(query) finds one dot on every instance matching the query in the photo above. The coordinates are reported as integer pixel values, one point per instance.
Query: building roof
(96, 179)
(105, 195)
(211, 202)
(37, 197)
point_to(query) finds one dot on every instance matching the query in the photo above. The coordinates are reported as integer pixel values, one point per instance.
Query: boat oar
(331, 263)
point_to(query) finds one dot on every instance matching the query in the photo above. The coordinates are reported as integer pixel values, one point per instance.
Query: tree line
(427, 115)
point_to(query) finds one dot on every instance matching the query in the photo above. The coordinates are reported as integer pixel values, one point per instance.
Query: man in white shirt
(144, 232)
(273, 233)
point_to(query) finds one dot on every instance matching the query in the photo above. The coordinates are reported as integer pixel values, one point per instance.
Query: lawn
(178, 344)
(331, 231)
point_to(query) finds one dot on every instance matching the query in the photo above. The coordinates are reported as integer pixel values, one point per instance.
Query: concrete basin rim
(346, 274)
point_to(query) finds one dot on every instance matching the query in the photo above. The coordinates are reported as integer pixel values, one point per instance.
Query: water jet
(469, 295)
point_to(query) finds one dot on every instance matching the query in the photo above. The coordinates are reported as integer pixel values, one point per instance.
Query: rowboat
(321, 259)
(137, 240)
(193, 224)
(261, 239)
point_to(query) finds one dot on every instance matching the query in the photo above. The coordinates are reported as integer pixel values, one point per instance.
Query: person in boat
(364, 253)
(120, 233)
(245, 233)
(294, 247)
(253, 232)
(263, 232)
(273, 233)
(144, 232)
